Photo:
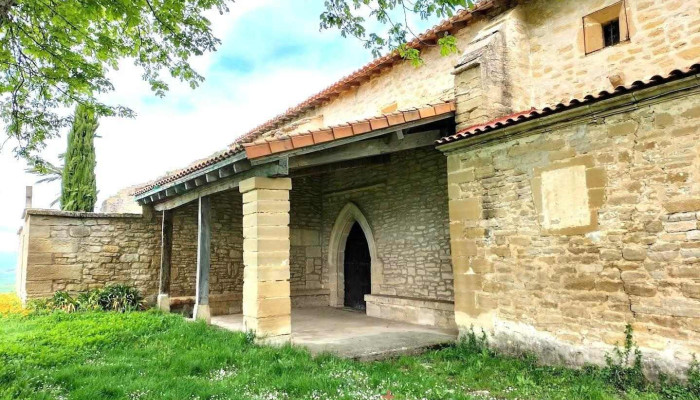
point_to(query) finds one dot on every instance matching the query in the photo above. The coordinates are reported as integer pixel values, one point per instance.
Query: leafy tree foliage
(56, 53)
(78, 185)
(347, 16)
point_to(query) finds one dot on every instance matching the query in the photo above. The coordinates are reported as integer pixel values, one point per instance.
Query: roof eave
(615, 104)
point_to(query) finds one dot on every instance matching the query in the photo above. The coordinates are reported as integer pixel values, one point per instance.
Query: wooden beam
(341, 166)
(241, 166)
(267, 170)
(200, 180)
(352, 139)
(169, 192)
(399, 134)
(189, 185)
(225, 171)
(166, 246)
(211, 176)
(364, 149)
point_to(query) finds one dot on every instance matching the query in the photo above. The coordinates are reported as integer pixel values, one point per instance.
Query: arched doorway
(357, 269)
(349, 217)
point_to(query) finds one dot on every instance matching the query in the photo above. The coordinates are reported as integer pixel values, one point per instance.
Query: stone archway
(336, 253)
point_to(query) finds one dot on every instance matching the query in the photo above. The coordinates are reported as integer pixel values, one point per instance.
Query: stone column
(166, 245)
(201, 306)
(266, 302)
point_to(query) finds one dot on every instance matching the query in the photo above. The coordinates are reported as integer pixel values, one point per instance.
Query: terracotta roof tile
(527, 115)
(255, 150)
(457, 21)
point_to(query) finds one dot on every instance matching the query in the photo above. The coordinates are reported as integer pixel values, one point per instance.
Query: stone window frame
(596, 179)
(593, 26)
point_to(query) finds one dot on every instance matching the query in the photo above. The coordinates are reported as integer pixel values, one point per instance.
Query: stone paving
(352, 334)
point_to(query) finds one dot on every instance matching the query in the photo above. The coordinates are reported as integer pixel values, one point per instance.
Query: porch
(357, 222)
(352, 334)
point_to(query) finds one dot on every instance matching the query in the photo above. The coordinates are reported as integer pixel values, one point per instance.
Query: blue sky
(272, 56)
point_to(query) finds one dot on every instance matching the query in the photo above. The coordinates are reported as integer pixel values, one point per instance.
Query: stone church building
(543, 185)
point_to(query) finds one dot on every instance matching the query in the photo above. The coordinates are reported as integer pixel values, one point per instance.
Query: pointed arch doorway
(353, 266)
(356, 269)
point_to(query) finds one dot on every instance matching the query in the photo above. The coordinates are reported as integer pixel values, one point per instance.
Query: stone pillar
(166, 245)
(467, 236)
(201, 306)
(266, 301)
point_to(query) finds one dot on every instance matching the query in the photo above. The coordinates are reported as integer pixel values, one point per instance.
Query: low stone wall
(75, 251)
(415, 311)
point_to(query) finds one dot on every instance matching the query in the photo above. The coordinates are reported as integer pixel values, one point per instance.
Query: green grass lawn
(150, 355)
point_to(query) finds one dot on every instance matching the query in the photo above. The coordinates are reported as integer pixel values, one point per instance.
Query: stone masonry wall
(81, 251)
(404, 201)
(306, 260)
(226, 274)
(664, 35)
(546, 60)
(561, 238)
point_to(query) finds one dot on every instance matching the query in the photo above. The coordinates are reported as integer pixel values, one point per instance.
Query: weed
(471, 342)
(624, 366)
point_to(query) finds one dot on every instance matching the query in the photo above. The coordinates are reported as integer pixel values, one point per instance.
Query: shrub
(90, 300)
(120, 298)
(62, 301)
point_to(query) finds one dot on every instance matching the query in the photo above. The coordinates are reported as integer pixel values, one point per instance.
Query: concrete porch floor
(352, 334)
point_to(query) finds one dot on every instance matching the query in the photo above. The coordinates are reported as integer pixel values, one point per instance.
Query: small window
(611, 33)
(605, 27)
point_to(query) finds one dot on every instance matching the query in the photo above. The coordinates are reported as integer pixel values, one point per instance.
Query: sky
(272, 56)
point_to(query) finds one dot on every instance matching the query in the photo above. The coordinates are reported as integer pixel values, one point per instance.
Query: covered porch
(351, 333)
(283, 238)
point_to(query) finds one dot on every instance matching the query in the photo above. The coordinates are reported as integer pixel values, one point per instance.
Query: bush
(63, 301)
(90, 300)
(121, 298)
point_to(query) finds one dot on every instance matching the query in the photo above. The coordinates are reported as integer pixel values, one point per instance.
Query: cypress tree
(78, 185)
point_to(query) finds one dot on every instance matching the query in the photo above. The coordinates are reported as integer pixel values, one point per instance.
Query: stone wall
(404, 200)
(563, 235)
(403, 85)
(664, 35)
(306, 261)
(545, 60)
(226, 274)
(79, 251)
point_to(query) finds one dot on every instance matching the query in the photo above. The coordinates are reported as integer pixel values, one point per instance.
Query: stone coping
(444, 305)
(77, 214)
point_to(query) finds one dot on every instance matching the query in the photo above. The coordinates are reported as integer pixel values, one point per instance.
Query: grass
(150, 355)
